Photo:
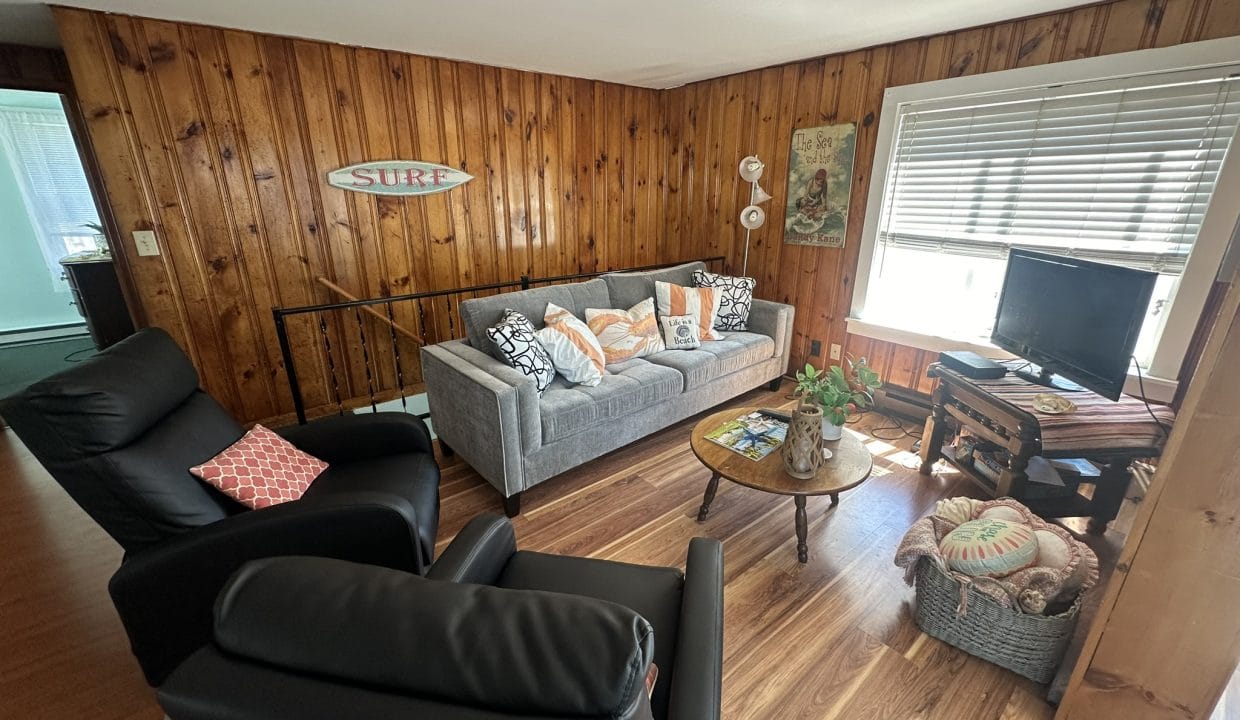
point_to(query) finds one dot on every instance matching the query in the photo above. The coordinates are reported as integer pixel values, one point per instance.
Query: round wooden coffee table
(849, 466)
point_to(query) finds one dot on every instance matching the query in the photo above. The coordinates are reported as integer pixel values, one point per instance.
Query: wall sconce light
(752, 216)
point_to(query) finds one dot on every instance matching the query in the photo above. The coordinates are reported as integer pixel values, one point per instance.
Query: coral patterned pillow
(626, 334)
(261, 469)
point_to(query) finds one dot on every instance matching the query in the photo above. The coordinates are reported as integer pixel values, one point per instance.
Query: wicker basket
(1031, 645)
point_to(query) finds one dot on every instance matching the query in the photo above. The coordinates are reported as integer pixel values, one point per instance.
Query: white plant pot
(831, 431)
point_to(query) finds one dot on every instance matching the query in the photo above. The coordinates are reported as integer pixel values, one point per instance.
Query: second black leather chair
(490, 633)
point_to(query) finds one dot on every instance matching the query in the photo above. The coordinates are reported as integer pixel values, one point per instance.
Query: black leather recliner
(489, 633)
(120, 431)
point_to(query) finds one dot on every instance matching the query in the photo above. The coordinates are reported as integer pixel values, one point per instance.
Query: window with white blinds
(1118, 175)
(1120, 170)
(44, 159)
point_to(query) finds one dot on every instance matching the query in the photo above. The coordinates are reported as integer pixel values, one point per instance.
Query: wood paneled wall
(219, 141)
(714, 123)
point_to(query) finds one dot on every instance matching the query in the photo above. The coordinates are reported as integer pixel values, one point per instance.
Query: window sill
(1157, 389)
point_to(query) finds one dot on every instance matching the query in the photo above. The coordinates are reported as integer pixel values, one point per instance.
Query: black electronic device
(1072, 318)
(776, 414)
(972, 365)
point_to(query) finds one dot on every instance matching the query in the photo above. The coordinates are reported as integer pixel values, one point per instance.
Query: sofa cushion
(478, 314)
(626, 388)
(588, 294)
(628, 289)
(736, 351)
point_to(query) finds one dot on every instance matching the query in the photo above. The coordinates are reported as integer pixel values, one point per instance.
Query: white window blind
(1120, 175)
(45, 161)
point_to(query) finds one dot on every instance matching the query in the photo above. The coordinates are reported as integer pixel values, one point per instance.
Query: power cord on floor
(1141, 384)
(897, 425)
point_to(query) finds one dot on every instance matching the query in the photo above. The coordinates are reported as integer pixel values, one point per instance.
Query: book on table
(754, 435)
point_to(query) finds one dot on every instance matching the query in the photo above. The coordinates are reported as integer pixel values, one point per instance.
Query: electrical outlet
(815, 347)
(146, 243)
(835, 351)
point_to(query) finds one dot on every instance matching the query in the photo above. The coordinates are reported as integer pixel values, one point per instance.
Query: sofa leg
(512, 505)
(773, 385)
(445, 450)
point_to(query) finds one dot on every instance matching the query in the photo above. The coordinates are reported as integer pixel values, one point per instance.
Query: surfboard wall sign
(397, 177)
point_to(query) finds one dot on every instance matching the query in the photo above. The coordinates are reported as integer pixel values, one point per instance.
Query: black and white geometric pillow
(519, 346)
(737, 298)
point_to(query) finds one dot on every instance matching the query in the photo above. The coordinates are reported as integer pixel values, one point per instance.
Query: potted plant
(101, 238)
(839, 392)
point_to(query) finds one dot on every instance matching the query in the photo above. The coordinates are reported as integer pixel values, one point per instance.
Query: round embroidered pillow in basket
(989, 547)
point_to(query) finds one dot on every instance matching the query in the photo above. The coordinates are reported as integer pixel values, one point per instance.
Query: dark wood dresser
(97, 296)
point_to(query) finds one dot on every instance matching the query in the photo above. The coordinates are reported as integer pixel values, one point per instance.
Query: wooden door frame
(1166, 638)
(47, 70)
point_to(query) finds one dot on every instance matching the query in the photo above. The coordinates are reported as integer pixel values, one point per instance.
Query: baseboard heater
(903, 402)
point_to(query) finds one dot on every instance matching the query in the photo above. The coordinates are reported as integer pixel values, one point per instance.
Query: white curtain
(45, 161)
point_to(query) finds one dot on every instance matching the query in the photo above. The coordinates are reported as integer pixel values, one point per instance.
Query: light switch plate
(835, 351)
(145, 241)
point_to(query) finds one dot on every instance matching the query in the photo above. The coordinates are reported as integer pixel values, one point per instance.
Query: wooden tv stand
(1109, 434)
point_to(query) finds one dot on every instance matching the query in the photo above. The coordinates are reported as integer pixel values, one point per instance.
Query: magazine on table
(753, 436)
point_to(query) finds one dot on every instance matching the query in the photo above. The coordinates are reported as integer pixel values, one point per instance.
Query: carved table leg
(711, 488)
(802, 529)
(933, 434)
(1108, 496)
(835, 499)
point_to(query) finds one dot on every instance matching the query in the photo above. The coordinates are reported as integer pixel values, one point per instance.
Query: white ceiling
(651, 43)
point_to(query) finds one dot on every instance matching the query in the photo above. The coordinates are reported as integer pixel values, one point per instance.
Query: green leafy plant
(840, 392)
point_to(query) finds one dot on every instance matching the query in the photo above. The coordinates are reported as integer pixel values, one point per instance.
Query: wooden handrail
(370, 311)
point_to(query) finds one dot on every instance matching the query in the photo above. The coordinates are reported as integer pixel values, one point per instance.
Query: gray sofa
(492, 415)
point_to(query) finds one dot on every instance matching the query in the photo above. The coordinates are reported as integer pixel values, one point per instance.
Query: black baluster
(400, 375)
(331, 364)
(422, 321)
(370, 381)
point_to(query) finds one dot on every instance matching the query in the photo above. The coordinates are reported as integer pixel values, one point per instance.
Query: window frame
(1207, 253)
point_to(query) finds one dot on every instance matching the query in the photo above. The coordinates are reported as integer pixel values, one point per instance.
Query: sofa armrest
(774, 320)
(484, 409)
(165, 595)
(697, 679)
(478, 553)
(347, 438)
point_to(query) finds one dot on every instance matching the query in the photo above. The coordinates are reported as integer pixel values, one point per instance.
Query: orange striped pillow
(576, 332)
(701, 303)
(626, 334)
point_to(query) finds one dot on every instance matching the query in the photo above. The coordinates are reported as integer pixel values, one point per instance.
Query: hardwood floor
(829, 639)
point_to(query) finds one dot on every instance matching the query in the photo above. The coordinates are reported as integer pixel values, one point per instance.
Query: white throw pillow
(574, 350)
(626, 334)
(681, 332)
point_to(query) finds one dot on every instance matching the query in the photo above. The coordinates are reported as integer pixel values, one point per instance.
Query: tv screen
(1074, 318)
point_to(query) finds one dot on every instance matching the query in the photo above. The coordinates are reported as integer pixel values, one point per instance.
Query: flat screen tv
(1075, 319)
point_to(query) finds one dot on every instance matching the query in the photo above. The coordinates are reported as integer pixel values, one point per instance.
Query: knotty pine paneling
(714, 123)
(219, 141)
